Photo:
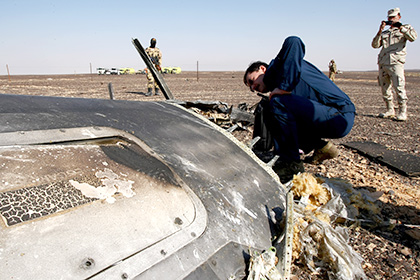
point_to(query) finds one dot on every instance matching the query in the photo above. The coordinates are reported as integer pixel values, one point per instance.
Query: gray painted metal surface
(199, 198)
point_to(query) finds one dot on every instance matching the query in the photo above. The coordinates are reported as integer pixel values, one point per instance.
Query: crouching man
(305, 107)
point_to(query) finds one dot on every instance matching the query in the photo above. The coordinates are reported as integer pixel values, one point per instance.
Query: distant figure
(391, 61)
(333, 70)
(156, 57)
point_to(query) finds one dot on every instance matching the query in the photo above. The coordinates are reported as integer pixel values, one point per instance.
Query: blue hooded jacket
(290, 72)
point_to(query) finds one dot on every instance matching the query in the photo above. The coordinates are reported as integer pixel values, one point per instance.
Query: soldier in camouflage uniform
(333, 70)
(391, 61)
(156, 57)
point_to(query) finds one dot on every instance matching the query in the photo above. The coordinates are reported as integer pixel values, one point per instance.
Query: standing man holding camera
(391, 61)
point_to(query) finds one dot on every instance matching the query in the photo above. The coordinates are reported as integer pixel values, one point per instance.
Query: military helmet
(153, 42)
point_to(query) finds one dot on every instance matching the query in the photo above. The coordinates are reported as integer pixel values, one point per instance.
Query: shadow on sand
(136, 92)
(401, 224)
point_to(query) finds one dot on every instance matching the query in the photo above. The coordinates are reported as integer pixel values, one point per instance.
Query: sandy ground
(391, 252)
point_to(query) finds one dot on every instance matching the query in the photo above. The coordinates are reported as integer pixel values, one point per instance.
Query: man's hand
(278, 91)
(382, 27)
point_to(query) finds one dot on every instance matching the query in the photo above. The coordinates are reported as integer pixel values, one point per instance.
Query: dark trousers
(299, 123)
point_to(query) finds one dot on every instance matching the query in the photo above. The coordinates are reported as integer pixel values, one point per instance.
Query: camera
(388, 22)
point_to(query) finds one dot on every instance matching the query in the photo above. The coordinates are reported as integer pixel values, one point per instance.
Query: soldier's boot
(157, 92)
(329, 151)
(390, 113)
(149, 92)
(402, 112)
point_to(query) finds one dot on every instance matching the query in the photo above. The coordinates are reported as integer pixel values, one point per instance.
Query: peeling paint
(111, 186)
(95, 192)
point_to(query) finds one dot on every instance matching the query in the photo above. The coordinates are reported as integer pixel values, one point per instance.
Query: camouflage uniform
(391, 61)
(333, 70)
(156, 57)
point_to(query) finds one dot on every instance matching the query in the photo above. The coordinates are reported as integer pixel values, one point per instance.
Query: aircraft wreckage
(110, 189)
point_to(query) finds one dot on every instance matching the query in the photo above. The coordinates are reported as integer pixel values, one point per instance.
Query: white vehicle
(102, 71)
(114, 71)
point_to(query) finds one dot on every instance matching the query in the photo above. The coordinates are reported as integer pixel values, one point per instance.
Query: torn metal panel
(104, 196)
(238, 115)
(404, 163)
(218, 106)
(184, 189)
(221, 114)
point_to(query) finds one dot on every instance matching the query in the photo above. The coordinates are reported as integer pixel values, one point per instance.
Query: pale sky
(67, 37)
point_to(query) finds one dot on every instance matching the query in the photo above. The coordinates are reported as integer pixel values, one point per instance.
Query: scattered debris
(322, 205)
(320, 242)
(221, 114)
(328, 210)
(263, 266)
(324, 211)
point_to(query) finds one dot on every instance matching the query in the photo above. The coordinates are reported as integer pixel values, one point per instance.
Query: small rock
(405, 251)
(367, 266)
(371, 246)
(391, 262)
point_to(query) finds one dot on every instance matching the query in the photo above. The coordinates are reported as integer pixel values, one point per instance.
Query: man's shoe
(329, 151)
(286, 170)
(265, 156)
(157, 92)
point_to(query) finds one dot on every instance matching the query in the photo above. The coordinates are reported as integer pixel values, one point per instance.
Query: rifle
(156, 63)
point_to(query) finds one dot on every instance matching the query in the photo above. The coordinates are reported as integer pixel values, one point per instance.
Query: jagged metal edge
(287, 253)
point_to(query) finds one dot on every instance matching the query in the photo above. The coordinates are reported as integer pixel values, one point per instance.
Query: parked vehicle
(176, 70)
(124, 71)
(114, 71)
(102, 71)
(171, 70)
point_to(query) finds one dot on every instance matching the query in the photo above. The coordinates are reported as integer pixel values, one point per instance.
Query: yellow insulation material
(305, 184)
